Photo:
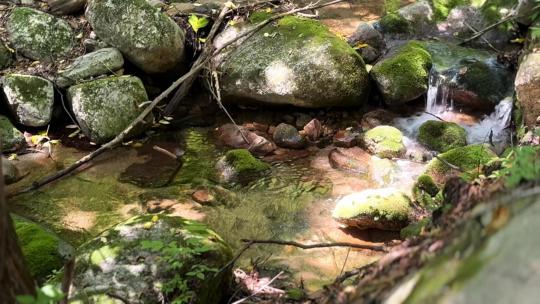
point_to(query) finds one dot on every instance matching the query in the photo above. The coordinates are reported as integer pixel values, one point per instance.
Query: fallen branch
(319, 245)
(438, 117)
(487, 29)
(449, 164)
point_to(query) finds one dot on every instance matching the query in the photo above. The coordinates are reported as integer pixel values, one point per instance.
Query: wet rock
(101, 62)
(38, 35)
(6, 58)
(377, 118)
(43, 251)
(105, 107)
(230, 135)
(368, 41)
(385, 209)
(10, 136)
(287, 136)
(528, 88)
(403, 75)
(345, 138)
(203, 197)
(284, 155)
(10, 171)
(30, 98)
(442, 135)
(466, 158)
(130, 258)
(354, 160)
(413, 20)
(384, 141)
(313, 129)
(240, 166)
(147, 38)
(294, 61)
(66, 7)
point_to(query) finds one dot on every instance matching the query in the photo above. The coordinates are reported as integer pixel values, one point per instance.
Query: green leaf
(197, 23)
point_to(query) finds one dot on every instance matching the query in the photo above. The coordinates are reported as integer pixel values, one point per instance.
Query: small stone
(287, 136)
(313, 129)
(203, 197)
(345, 138)
(230, 135)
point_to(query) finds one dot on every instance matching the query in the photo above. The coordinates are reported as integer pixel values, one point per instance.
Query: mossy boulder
(287, 136)
(241, 166)
(153, 257)
(38, 35)
(10, 136)
(403, 75)
(105, 107)
(467, 158)
(43, 251)
(384, 141)
(442, 135)
(394, 23)
(6, 57)
(30, 98)
(386, 209)
(100, 62)
(147, 37)
(293, 61)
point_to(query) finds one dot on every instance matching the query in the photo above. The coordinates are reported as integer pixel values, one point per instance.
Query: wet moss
(259, 16)
(244, 163)
(441, 135)
(441, 8)
(424, 191)
(384, 141)
(31, 89)
(394, 23)
(386, 204)
(415, 229)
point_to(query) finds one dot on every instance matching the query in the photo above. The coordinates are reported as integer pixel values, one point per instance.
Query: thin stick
(438, 117)
(260, 289)
(449, 164)
(487, 29)
(319, 245)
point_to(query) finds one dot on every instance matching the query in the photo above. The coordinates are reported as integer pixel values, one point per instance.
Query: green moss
(441, 135)
(9, 135)
(259, 16)
(245, 163)
(415, 229)
(424, 191)
(5, 56)
(403, 76)
(488, 81)
(446, 55)
(443, 7)
(384, 141)
(30, 89)
(386, 204)
(40, 248)
(467, 158)
(394, 23)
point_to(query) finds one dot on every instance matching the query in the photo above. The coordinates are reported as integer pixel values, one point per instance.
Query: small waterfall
(493, 128)
(438, 95)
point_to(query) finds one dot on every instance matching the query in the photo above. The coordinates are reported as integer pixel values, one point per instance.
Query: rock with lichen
(30, 98)
(147, 37)
(105, 107)
(442, 136)
(413, 20)
(385, 209)
(6, 57)
(384, 141)
(43, 251)
(151, 258)
(10, 137)
(239, 166)
(424, 192)
(287, 136)
(101, 62)
(38, 35)
(403, 75)
(294, 61)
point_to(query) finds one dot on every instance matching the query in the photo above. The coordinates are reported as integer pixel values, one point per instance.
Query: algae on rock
(441, 135)
(240, 166)
(384, 141)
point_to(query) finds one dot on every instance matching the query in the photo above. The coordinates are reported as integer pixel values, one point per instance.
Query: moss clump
(394, 23)
(424, 191)
(259, 16)
(415, 229)
(384, 141)
(244, 163)
(10, 137)
(442, 136)
(404, 75)
(467, 158)
(41, 249)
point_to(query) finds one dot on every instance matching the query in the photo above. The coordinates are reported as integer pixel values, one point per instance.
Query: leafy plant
(197, 23)
(48, 294)
(520, 165)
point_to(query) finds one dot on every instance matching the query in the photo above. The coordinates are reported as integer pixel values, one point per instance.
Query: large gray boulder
(148, 38)
(153, 259)
(10, 136)
(296, 62)
(38, 35)
(105, 107)
(30, 98)
(100, 62)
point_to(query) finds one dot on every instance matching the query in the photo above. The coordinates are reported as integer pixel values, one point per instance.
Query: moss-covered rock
(30, 98)
(42, 250)
(467, 158)
(5, 56)
(442, 135)
(241, 166)
(294, 61)
(147, 37)
(384, 141)
(287, 136)
(10, 136)
(424, 191)
(38, 35)
(415, 229)
(153, 257)
(100, 62)
(394, 23)
(403, 75)
(386, 209)
(105, 107)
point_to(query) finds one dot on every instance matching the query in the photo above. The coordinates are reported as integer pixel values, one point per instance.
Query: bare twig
(319, 245)
(69, 271)
(438, 117)
(260, 289)
(487, 29)
(449, 164)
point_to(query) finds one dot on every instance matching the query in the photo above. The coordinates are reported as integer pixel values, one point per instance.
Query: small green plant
(520, 165)
(197, 23)
(48, 294)
(179, 261)
(535, 31)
